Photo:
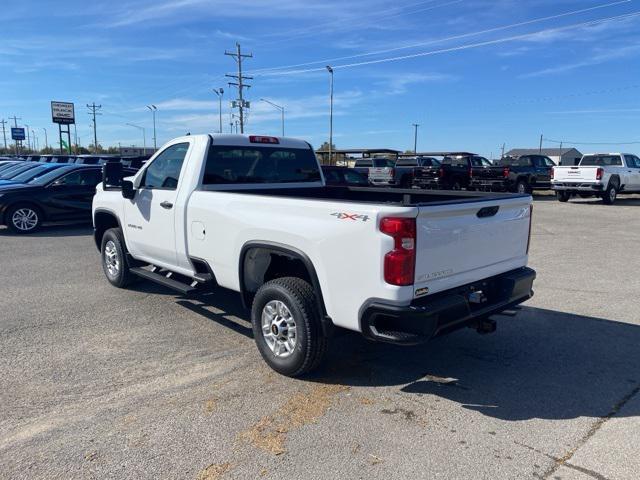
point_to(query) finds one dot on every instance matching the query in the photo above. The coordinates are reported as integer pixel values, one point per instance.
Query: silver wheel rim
(521, 188)
(111, 260)
(24, 219)
(612, 194)
(279, 328)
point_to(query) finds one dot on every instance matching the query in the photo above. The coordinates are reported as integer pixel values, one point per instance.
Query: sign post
(18, 134)
(63, 113)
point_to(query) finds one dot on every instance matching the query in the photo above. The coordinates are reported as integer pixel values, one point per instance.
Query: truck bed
(381, 196)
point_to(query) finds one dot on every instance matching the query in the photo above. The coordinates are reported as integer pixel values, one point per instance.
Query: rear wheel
(114, 259)
(456, 185)
(610, 194)
(523, 187)
(286, 326)
(24, 218)
(563, 196)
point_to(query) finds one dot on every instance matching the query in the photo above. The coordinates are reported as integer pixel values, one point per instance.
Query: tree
(325, 147)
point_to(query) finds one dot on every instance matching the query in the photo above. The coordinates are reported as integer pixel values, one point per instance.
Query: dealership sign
(17, 133)
(63, 113)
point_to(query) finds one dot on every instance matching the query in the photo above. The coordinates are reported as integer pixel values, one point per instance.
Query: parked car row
(32, 193)
(128, 161)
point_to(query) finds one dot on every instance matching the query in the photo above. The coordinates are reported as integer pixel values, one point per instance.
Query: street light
(144, 136)
(279, 108)
(330, 70)
(153, 109)
(219, 92)
(46, 140)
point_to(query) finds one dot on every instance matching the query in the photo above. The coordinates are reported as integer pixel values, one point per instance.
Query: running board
(181, 287)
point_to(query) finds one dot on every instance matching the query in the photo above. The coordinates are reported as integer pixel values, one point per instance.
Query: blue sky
(474, 73)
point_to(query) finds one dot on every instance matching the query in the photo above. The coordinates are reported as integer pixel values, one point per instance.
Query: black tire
(563, 196)
(610, 194)
(523, 187)
(113, 246)
(310, 342)
(456, 185)
(24, 218)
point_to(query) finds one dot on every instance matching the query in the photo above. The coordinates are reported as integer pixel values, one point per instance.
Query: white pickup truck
(599, 174)
(252, 214)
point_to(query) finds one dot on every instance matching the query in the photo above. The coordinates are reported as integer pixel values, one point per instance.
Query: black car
(344, 176)
(17, 169)
(522, 174)
(64, 193)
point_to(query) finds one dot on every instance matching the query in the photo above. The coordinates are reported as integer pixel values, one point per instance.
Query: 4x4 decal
(350, 216)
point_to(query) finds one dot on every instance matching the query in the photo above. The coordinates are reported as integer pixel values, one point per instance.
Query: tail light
(470, 172)
(530, 223)
(599, 173)
(392, 172)
(400, 263)
(553, 172)
(505, 172)
(441, 172)
(263, 139)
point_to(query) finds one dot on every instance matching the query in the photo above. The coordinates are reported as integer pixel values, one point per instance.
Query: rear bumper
(502, 185)
(577, 186)
(446, 311)
(434, 183)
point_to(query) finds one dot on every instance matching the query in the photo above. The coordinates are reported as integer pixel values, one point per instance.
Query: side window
(631, 161)
(637, 161)
(81, 178)
(164, 171)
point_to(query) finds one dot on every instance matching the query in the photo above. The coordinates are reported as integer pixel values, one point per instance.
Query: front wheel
(610, 195)
(286, 326)
(114, 259)
(563, 196)
(24, 218)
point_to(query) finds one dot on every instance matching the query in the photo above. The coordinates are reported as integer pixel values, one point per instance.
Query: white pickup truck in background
(600, 174)
(252, 214)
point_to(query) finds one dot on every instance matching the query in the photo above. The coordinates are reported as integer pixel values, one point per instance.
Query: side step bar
(181, 287)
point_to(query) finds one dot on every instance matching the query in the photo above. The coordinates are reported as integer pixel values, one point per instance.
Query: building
(561, 156)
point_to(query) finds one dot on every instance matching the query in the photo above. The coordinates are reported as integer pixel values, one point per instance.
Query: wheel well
(103, 221)
(615, 179)
(260, 264)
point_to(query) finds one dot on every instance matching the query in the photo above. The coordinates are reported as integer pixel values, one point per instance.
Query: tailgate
(427, 172)
(462, 243)
(488, 173)
(381, 173)
(575, 174)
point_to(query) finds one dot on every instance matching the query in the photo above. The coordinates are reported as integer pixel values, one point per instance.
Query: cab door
(633, 171)
(150, 216)
(70, 196)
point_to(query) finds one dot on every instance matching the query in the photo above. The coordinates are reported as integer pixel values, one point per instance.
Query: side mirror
(127, 189)
(112, 176)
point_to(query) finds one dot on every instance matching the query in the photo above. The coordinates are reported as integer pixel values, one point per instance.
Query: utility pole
(415, 138)
(15, 125)
(93, 110)
(280, 108)
(238, 56)
(4, 133)
(502, 155)
(28, 138)
(46, 140)
(540, 150)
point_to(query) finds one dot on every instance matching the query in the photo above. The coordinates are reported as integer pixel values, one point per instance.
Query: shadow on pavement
(53, 230)
(540, 364)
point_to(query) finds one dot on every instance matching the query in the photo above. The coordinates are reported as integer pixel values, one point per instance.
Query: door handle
(167, 205)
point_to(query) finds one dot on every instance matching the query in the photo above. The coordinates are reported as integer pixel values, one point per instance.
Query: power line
(238, 56)
(446, 39)
(560, 142)
(462, 47)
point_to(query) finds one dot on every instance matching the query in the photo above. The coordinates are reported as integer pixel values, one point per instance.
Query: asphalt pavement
(97, 382)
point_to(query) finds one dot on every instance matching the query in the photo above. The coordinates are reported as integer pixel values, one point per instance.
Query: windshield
(48, 176)
(228, 165)
(601, 160)
(15, 170)
(31, 174)
(383, 162)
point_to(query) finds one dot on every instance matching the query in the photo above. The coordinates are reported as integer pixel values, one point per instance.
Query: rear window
(456, 161)
(601, 160)
(480, 162)
(407, 162)
(383, 162)
(364, 163)
(235, 165)
(515, 162)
